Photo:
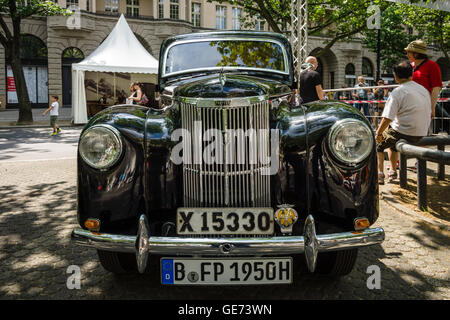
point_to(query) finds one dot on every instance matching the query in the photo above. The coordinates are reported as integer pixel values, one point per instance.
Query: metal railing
(408, 150)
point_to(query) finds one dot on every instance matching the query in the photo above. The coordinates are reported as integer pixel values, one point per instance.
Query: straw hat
(418, 46)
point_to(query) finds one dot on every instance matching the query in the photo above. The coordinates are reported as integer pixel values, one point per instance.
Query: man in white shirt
(54, 112)
(407, 113)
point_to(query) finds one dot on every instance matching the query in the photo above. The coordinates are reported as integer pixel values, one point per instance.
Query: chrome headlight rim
(118, 138)
(335, 129)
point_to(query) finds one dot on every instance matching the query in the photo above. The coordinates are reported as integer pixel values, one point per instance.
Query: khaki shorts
(391, 137)
(53, 120)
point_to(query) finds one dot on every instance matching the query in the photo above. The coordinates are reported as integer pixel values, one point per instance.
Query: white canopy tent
(121, 51)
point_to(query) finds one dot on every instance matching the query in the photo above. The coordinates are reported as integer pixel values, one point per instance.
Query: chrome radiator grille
(237, 180)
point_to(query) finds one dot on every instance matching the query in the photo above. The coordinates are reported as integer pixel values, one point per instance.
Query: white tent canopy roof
(121, 51)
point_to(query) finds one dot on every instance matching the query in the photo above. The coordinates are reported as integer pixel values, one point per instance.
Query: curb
(388, 199)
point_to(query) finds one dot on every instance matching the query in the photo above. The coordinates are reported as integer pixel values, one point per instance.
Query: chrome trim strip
(286, 62)
(240, 246)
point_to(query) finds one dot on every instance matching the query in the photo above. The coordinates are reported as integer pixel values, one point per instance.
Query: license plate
(230, 271)
(227, 221)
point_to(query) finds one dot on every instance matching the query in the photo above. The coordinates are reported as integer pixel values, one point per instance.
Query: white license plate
(227, 221)
(229, 271)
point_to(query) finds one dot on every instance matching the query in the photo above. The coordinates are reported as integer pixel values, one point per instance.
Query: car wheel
(337, 263)
(118, 262)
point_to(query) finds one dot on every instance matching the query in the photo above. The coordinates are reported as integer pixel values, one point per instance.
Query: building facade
(54, 43)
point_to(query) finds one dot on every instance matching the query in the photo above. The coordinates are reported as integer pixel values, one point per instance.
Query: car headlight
(350, 141)
(100, 146)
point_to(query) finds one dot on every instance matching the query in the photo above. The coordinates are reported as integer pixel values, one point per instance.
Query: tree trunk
(25, 114)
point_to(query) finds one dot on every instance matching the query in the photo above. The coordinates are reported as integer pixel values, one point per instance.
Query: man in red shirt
(426, 71)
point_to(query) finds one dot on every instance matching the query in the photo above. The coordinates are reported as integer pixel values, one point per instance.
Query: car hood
(230, 86)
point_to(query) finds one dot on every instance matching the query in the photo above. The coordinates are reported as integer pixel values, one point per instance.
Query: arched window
(72, 53)
(350, 69)
(350, 76)
(32, 48)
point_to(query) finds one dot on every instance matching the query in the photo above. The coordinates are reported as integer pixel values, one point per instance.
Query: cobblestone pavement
(38, 213)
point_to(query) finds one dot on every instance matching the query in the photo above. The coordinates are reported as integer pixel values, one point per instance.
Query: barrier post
(441, 166)
(403, 173)
(421, 184)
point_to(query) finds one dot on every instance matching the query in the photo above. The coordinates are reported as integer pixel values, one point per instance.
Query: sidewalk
(405, 200)
(8, 118)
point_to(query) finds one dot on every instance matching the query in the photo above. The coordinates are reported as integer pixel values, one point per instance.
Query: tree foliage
(10, 38)
(433, 26)
(336, 20)
(394, 37)
(252, 54)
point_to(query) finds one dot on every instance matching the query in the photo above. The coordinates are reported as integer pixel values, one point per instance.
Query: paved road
(31, 144)
(38, 212)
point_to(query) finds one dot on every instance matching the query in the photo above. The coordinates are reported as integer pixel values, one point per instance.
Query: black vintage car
(227, 179)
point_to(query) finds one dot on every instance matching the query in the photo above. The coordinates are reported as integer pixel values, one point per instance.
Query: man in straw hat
(426, 71)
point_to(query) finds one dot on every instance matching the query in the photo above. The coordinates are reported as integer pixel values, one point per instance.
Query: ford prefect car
(227, 180)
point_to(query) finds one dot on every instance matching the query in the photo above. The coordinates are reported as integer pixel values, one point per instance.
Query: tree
(393, 37)
(18, 10)
(433, 26)
(337, 20)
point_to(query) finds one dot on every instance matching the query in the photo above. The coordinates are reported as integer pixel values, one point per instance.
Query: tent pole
(114, 86)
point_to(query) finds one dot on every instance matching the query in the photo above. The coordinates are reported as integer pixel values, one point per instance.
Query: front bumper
(310, 244)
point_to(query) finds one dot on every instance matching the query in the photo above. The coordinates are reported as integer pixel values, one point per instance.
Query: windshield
(245, 54)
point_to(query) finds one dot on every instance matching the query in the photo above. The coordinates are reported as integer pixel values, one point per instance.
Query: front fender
(115, 195)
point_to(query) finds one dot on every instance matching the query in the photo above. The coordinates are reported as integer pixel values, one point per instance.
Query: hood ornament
(222, 78)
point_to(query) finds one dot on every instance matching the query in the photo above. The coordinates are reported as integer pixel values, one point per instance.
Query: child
(54, 108)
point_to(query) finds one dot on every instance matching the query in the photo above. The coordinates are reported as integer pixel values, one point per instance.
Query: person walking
(361, 94)
(54, 112)
(310, 82)
(379, 96)
(406, 115)
(426, 71)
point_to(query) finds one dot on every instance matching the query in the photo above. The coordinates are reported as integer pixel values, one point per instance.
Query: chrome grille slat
(236, 184)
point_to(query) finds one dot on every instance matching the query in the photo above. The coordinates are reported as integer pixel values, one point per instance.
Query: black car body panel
(147, 180)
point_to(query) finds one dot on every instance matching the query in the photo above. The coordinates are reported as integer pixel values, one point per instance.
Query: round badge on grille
(286, 217)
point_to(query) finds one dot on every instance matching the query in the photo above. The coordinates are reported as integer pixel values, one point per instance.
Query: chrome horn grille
(237, 180)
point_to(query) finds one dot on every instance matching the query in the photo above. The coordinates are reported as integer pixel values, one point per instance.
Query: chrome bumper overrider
(310, 244)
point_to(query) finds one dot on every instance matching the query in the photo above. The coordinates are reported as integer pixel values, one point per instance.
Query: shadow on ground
(35, 252)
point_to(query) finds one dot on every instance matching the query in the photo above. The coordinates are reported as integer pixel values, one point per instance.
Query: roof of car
(214, 34)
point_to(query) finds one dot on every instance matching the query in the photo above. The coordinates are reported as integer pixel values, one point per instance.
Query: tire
(118, 262)
(337, 263)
